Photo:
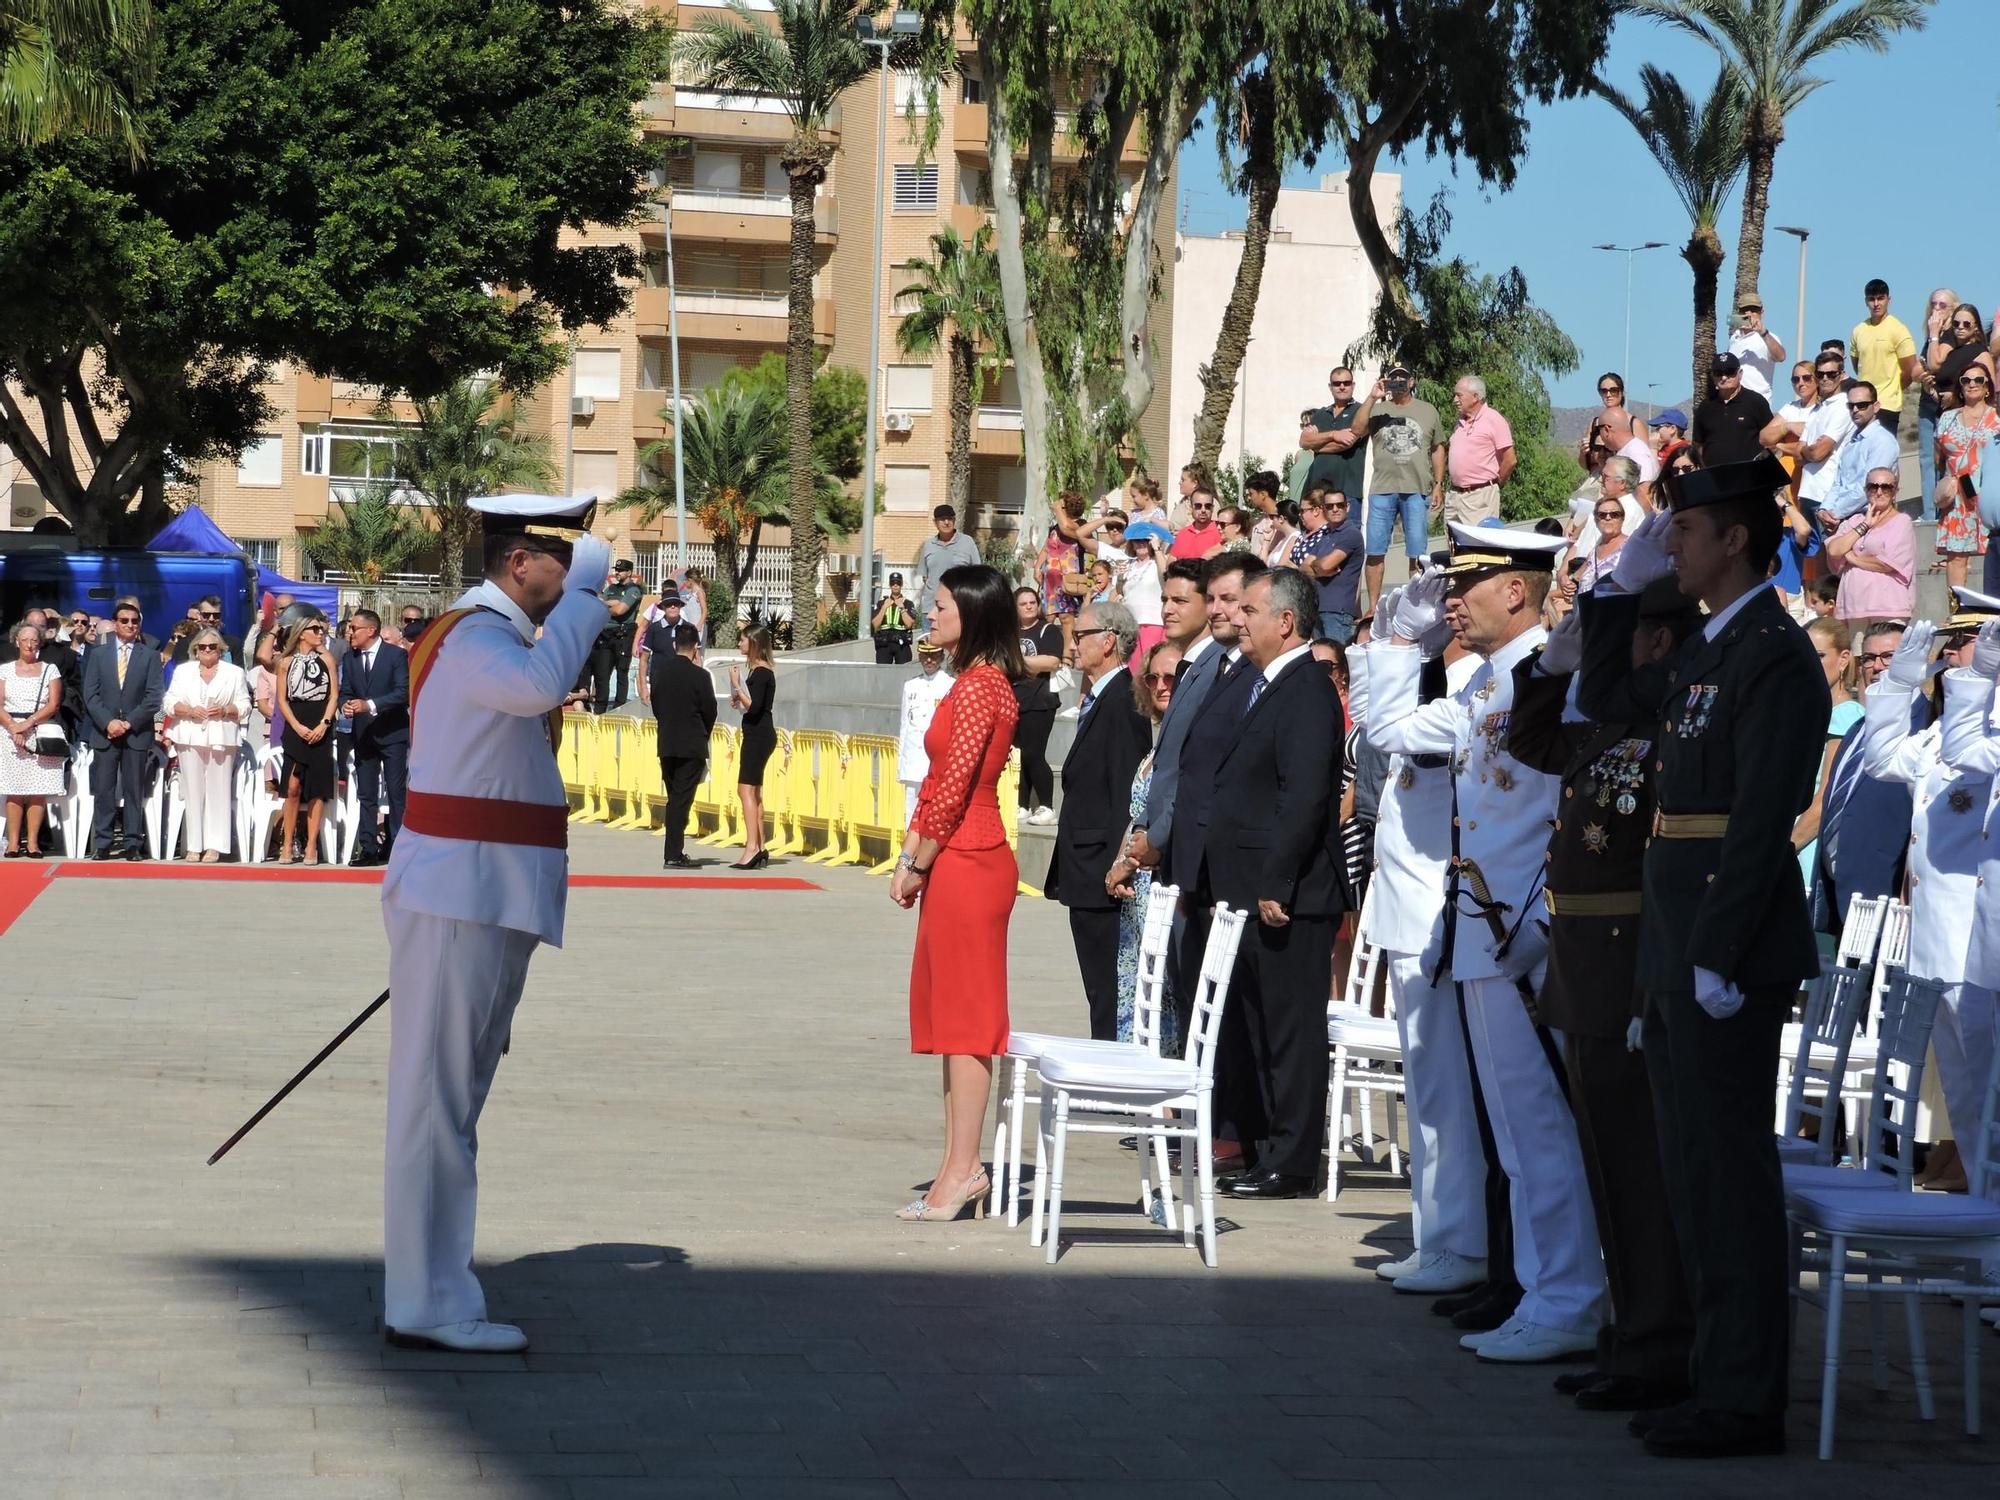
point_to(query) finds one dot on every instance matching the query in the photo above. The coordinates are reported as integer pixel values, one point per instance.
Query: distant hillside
(1571, 422)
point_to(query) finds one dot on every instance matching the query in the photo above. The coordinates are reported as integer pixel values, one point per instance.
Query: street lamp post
(1799, 349)
(902, 23)
(1628, 251)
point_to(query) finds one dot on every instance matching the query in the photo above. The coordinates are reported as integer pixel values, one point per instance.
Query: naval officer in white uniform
(1497, 581)
(477, 878)
(1946, 839)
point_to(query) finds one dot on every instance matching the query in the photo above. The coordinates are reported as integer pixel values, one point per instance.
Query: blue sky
(1888, 165)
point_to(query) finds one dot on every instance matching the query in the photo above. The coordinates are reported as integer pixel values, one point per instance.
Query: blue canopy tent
(193, 531)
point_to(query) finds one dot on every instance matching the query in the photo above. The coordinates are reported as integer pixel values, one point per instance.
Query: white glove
(1357, 687)
(1986, 651)
(1716, 995)
(1908, 667)
(1562, 652)
(1421, 607)
(1529, 948)
(1643, 559)
(1635, 1039)
(1385, 613)
(589, 564)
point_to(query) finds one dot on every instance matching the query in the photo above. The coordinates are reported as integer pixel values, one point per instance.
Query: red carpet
(22, 882)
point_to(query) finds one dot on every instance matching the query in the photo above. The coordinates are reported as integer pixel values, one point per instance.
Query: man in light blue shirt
(1872, 446)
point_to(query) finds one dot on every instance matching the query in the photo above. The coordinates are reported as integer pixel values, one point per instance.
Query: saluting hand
(1562, 652)
(1643, 559)
(1986, 651)
(1911, 662)
(1421, 607)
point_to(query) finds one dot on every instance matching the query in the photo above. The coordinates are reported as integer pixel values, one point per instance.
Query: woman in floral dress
(1963, 436)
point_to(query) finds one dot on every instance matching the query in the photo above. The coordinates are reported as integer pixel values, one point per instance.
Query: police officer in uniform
(476, 880)
(1595, 855)
(611, 656)
(1724, 937)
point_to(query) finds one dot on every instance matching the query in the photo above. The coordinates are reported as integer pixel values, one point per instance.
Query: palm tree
(461, 445)
(807, 62)
(1700, 148)
(955, 301)
(1766, 46)
(373, 532)
(735, 471)
(72, 67)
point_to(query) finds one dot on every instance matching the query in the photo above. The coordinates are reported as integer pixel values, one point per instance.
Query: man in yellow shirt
(1884, 354)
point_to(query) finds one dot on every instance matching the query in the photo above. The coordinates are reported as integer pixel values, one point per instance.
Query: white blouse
(189, 690)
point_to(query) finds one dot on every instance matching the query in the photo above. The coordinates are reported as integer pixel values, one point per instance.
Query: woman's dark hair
(1967, 307)
(988, 628)
(1615, 378)
(1548, 526)
(1289, 509)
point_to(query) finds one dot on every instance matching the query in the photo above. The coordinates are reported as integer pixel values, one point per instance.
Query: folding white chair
(175, 813)
(1935, 1244)
(1884, 1151)
(156, 805)
(1813, 1065)
(1367, 1059)
(1096, 1091)
(1024, 1048)
(1861, 932)
(79, 804)
(343, 813)
(262, 806)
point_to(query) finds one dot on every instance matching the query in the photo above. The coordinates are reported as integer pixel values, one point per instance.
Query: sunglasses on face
(1826, 374)
(1879, 489)
(1963, 323)
(1610, 390)
(1859, 405)
(211, 614)
(1098, 630)
(1203, 505)
(79, 619)
(1156, 679)
(1340, 384)
(1611, 515)
(128, 620)
(1802, 380)
(208, 646)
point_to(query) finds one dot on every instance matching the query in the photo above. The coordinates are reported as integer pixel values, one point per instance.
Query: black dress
(307, 686)
(760, 734)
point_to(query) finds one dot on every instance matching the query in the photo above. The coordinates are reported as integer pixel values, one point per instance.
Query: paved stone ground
(690, 1161)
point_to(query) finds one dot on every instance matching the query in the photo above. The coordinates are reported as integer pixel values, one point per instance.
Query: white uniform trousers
(1963, 1041)
(207, 775)
(1447, 1167)
(1556, 1258)
(453, 989)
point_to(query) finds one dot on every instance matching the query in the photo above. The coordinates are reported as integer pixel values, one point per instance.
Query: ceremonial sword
(1482, 896)
(300, 1077)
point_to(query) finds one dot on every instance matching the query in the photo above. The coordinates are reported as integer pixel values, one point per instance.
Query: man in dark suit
(683, 701)
(1112, 737)
(1724, 938)
(122, 689)
(1273, 849)
(375, 699)
(208, 616)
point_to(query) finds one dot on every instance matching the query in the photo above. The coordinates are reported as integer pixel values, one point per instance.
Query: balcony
(725, 316)
(649, 419)
(738, 118)
(743, 217)
(968, 134)
(996, 431)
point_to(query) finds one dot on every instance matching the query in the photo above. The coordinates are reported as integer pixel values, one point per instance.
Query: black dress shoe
(680, 862)
(1578, 1380)
(136, 853)
(101, 854)
(1488, 1314)
(1458, 1302)
(1270, 1185)
(1630, 1393)
(1644, 1422)
(363, 859)
(1717, 1434)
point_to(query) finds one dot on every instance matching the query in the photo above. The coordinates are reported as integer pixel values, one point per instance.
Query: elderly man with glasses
(1871, 446)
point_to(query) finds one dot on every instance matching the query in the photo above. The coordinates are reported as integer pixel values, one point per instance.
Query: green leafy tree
(339, 186)
(838, 402)
(465, 443)
(376, 532)
(954, 300)
(1700, 148)
(1768, 50)
(807, 61)
(71, 67)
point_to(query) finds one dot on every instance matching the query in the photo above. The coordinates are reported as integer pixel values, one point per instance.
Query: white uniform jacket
(1412, 842)
(1971, 745)
(921, 696)
(481, 731)
(1503, 807)
(1944, 831)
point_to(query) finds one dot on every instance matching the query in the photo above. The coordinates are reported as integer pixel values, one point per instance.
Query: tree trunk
(958, 461)
(749, 565)
(1766, 131)
(454, 531)
(1136, 306)
(1704, 255)
(1232, 339)
(805, 167)
(1362, 153)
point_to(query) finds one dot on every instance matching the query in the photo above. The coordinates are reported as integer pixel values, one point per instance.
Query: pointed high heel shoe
(921, 1211)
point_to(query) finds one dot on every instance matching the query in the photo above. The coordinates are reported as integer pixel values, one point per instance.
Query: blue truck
(49, 572)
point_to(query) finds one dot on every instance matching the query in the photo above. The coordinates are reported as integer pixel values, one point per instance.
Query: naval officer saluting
(477, 878)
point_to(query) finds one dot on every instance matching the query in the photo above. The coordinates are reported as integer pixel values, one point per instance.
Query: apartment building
(731, 231)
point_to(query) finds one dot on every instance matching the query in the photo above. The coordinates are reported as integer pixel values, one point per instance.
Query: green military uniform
(611, 656)
(1741, 727)
(1596, 852)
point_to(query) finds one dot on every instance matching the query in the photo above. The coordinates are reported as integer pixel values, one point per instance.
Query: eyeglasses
(210, 614)
(1154, 679)
(1097, 630)
(1877, 658)
(1611, 515)
(1939, 302)
(79, 619)
(1200, 505)
(127, 620)
(1973, 380)
(208, 646)
(1802, 380)
(1611, 390)
(1859, 405)
(1879, 489)
(1963, 323)
(1340, 385)
(1826, 374)
(1114, 525)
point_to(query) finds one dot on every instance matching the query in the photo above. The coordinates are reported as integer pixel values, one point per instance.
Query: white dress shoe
(1443, 1271)
(1395, 1270)
(1478, 1341)
(1534, 1344)
(476, 1337)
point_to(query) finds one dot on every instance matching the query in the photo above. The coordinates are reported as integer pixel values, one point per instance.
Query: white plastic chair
(79, 804)
(262, 806)
(1367, 1059)
(1096, 1091)
(343, 812)
(1933, 1243)
(1814, 1065)
(156, 805)
(1025, 1047)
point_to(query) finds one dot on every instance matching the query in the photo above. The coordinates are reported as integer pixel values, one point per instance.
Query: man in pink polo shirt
(1480, 457)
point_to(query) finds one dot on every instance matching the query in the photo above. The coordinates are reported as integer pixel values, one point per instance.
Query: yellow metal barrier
(814, 783)
(638, 770)
(715, 795)
(592, 765)
(1010, 813)
(872, 805)
(778, 792)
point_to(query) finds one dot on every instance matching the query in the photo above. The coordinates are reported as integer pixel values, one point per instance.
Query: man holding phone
(1406, 444)
(1756, 348)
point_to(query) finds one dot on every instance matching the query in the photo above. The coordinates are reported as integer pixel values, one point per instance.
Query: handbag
(1077, 585)
(48, 739)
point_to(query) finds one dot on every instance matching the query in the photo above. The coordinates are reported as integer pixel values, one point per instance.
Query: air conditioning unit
(26, 505)
(899, 421)
(583, 406)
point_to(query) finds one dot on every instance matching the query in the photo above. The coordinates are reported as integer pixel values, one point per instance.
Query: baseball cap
(1725, 364)
(1396, 370)
(1673, 416)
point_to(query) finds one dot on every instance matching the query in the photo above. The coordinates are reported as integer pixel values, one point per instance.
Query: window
(975, 189)
(597, 373)
(908, 388)
(595, 474)
(359, 455)
(312, 453)
(906, 488)
(1010, 490)
(911, 97)
(263, 462)
(704, 369)
(971, 89)
(776, 274)
(916, 189)
(718, 171)
(653, 372)
(263, 551)
(776, 183)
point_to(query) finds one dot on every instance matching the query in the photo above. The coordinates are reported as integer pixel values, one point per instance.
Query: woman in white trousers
(205, 706)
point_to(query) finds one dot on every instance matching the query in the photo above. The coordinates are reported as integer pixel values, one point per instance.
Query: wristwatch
(920, 871)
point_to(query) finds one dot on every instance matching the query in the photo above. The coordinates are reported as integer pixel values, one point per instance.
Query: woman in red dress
(956, 859)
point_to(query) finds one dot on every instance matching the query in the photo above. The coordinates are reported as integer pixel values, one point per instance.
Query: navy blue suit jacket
(387, 686)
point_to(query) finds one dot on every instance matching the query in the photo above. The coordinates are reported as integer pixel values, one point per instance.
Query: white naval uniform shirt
(921, 696)
(1503, 807)
(1971, 744)
(1412, 843)
(481, 731)
(1944, 830)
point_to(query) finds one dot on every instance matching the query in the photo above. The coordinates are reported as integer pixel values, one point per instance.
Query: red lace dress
(958, 975)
